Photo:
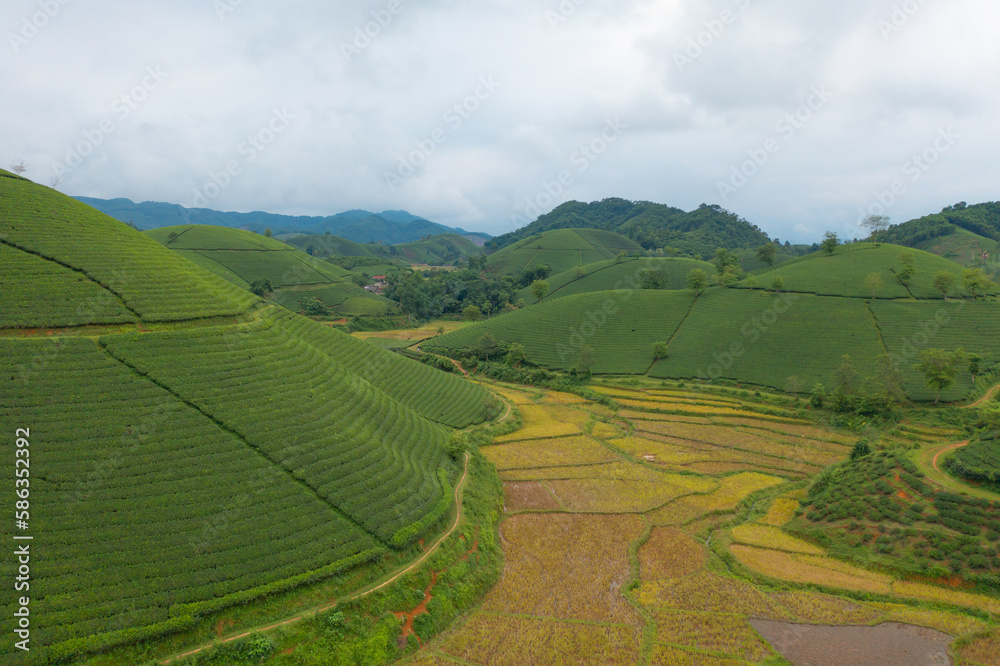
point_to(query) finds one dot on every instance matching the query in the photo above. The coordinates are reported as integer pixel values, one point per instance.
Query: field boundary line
(878, 327)
(459, 491)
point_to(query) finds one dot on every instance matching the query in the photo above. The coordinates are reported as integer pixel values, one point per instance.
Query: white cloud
(354, 116)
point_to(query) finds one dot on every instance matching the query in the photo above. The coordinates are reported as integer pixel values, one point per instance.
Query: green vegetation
(440, 250)
(978, 462)
(297, 281)
(898, 273)
(879, 508)
(226, 454)
(647, 272)
(652, 226)
(560, 250)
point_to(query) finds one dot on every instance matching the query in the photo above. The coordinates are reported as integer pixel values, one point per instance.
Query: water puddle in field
(886, 644)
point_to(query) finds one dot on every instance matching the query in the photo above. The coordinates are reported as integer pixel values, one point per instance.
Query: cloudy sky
(796, 115)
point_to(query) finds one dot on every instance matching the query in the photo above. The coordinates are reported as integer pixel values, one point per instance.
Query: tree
(731, 276)
(908, 269)
(830, 242)
(539, 288)
(975, 365)
(487, 346)
(943, 282)
(316, 308)
(939, 368)
(778, 283)
(655, 278)
(472, 313)
(622, 256)
(261, 287)
(975, 280)
(697, 281)
(889, 380)
(875, 224)
(515, 354)
(873, 282)
(172, 236)
(18, 167)
(361, 279)
(267, 232)
(861, 449)
(845, 380)
(724, 259)
(766, 253)
(578, 272)
(660, 350)
(793, 385)
(440, 330)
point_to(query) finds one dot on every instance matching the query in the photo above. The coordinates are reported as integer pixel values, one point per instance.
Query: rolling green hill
(243, 257)
(697, 233)
(436, 250)
(740, 335)
(613, 274)
(844, 273)
(561, 250)
(193, 447)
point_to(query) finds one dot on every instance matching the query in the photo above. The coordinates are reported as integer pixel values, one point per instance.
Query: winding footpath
(459, 488)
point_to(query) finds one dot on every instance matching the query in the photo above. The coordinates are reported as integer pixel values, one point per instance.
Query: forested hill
(981, 219)
(698, 233)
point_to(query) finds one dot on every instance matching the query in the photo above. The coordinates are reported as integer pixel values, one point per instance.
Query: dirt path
(985, 398)
(459, 488)
(928, 461)
(952, 447)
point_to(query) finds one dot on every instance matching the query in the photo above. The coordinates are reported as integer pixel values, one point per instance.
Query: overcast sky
(796, 115)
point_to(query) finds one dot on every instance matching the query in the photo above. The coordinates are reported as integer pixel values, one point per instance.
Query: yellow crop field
(670, 553)
(782, 511)
(733, 489)
(729, 634)
(488, 638)
(557, 452)
(559, 398)
(615, 495)
(545, 421)
(810, 569)
(516, 397)
(944, 595)
(816, 608)
(653, 416)
(663, 452)
(603, 430)
(530, 496)
(984, 650)
(565, 566)
(955, 624)
(685, 408)
(720, 468)
(677, 512)
(765, 536)
(614, 470)
(666, 655)
(704, 591)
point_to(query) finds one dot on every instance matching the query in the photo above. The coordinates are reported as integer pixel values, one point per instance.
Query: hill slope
(961, 232)
(436, 250)
(740, 335)
(612, 274)
(845, 273)
(243, 257)
(560, 250)
(697, 233)
(321, 452)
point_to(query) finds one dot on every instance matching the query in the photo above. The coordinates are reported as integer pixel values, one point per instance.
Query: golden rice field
(635, 536)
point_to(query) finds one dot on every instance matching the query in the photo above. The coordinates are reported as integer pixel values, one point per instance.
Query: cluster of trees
(437, 292)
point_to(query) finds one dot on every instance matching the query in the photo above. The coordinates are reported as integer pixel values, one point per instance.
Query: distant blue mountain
(361, 226)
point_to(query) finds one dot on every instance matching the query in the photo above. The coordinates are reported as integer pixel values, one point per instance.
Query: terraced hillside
(560, 249)
(741, 335)
(243, 257)
(845, 273)
(193, 447)
(612, 274)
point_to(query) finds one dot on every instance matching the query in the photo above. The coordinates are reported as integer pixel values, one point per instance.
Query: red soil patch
(420, 542)
(902, 495)
(475, 548)
(222, 625)
(410, 616)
